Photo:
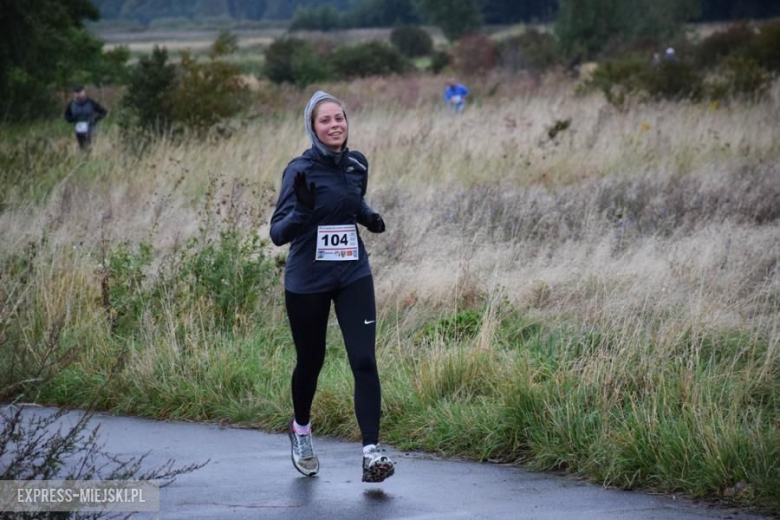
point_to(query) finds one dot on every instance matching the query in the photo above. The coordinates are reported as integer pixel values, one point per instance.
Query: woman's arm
(290, 216)
(366, 216)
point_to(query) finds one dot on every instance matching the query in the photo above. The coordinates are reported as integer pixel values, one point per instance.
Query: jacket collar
(330, 160)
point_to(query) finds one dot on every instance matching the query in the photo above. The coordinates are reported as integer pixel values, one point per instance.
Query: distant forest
(493, 11)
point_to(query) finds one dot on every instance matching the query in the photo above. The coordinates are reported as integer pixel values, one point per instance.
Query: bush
(292, 60)
(620, 78)
(112, 68)
(226, 43)
(196, 95)
(412, 41)
(440, 60)
(675, 80)
(148, 91)
(368, 59)
(715, 47)
(228, 275)
(309, 67)
(279, 59)
(532, 50)
(766, 49)
(206, 92)
(740, 77)
(474, 54)
(634, 75)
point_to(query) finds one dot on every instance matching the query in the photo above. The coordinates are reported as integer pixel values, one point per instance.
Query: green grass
(550, 396)
(204, 337)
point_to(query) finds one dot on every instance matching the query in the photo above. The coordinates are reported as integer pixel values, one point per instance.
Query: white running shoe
(302, 453)
(376, 466)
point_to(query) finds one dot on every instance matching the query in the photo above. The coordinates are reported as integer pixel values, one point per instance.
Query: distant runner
(84, 113)
(320, 204)
(455, 95)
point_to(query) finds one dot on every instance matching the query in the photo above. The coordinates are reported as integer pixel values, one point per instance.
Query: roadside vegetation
(580, 272)
(599, 296)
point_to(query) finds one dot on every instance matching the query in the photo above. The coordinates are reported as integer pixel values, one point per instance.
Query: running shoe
(376, 465)
(302, 453)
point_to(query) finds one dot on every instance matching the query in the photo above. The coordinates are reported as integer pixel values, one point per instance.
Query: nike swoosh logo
(366, 322)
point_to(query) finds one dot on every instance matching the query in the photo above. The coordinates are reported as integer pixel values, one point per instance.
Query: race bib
(337, 243)
(82, 127)
(456, 99)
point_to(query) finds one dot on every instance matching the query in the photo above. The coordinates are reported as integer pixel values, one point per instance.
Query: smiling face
(330, 125)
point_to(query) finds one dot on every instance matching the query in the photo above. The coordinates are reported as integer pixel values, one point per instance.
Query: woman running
(320, 204)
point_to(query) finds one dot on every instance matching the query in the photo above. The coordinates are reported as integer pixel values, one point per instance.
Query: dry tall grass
(662, 211)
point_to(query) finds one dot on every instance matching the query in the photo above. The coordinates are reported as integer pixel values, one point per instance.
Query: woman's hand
(377, 225)
(304, 194)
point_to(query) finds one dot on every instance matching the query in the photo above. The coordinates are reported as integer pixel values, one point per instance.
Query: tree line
(394, 12)
(45, 47)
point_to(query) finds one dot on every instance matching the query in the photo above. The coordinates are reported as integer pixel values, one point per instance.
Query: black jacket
(89, 111)
(341, 184)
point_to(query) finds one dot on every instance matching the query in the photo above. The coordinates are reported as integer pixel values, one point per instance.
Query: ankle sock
(368, 448)
(301, 430)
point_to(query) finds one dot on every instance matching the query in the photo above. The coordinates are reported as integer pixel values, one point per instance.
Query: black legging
(356, 313)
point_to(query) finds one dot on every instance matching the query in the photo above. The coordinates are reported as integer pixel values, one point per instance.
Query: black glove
(376, 225)
(304, 195)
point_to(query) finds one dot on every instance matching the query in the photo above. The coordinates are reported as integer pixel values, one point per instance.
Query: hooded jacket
(341, 179)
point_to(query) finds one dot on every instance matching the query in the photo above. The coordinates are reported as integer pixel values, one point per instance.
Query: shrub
(715, 47)
(228, 275)
(740, 76)
(474, 54)
(532, 50)
(766, 49)
(309, 67)
(412, 41)
(620, 78)
(279, 59)
(440, 60)
(148, 91)
(226, 43)
(368, 59)
(634, 75)
(675, 80)
(111, 68)
(196, 95)
(206, 92)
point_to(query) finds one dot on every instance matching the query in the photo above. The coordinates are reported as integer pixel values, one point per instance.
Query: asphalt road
(250, 476)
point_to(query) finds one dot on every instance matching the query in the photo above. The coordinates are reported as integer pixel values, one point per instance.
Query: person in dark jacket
(320, 205)
(84, 112)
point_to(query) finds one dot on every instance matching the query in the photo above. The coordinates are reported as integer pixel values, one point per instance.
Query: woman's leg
(356, 312)
(308, 315)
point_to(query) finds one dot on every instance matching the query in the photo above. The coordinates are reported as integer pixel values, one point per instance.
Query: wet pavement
(249, 476)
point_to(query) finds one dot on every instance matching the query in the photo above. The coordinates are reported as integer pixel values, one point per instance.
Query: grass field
(605, 300)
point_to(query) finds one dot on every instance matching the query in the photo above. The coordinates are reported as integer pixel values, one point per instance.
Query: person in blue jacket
(455, 95)
(320, 205)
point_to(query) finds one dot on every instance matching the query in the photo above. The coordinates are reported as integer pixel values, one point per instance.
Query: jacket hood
(315, 141)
